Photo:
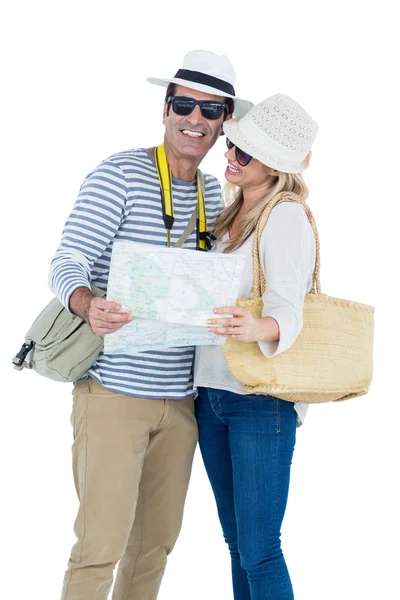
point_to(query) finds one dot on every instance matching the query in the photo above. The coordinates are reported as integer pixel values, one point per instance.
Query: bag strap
(188, 230)
(259, 281)
(194, 218)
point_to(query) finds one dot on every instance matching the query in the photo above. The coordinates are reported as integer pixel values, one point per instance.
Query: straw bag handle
(259, 282)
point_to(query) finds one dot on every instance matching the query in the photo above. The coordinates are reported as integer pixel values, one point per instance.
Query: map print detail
(171, 293)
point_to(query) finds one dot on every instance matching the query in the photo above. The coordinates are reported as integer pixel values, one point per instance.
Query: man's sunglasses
(209, 109)
(242, 157)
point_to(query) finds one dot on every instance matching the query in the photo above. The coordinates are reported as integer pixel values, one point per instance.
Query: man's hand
(93, 311)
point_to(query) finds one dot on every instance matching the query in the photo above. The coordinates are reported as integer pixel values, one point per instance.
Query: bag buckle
(19, 359)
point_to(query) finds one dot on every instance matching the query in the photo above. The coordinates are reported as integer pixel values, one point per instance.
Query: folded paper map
(171, 293)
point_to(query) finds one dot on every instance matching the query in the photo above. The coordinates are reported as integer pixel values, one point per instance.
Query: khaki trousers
(132, 459)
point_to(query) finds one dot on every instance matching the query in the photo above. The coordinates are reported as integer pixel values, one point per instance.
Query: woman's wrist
(268, 330)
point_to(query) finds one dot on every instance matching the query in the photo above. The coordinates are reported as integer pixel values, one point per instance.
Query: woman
(247, 440)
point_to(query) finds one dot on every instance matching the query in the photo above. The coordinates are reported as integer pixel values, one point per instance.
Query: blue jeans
(247, 445)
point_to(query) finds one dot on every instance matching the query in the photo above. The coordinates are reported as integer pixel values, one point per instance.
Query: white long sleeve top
(287, 253)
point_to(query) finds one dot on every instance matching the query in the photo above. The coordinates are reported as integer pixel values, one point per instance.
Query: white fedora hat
(209, 73)
(278, 132)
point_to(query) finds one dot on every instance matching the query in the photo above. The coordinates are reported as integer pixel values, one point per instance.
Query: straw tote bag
(331, 358)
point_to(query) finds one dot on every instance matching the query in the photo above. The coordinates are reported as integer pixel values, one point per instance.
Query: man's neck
(182, 167)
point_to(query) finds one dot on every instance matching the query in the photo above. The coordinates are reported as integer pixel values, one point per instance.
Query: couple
(134, 418)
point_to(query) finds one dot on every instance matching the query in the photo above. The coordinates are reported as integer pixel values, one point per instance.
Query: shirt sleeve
(91, 226)
(287, 253)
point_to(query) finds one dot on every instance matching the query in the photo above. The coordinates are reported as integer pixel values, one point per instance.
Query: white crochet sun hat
(278, 132)
(210, 73)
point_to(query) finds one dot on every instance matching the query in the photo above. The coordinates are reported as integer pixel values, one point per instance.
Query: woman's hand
(243, 326)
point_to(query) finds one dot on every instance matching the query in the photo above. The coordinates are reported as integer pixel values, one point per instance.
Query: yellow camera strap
(202, 242)
(165, 177)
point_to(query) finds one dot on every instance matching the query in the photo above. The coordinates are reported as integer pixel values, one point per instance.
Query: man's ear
(228, 116)
(165, 113)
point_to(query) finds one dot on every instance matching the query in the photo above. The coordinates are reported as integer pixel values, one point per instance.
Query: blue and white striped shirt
(121, 200)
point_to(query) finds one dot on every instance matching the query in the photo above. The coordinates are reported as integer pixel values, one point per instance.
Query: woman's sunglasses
(242, 157)
(209, 109)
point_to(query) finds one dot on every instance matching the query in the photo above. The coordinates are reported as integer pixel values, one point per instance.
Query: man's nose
(195, 116)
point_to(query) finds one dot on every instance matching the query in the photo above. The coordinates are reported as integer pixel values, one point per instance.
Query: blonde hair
(233, 196)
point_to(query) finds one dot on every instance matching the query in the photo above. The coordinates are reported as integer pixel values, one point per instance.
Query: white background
(74, 92)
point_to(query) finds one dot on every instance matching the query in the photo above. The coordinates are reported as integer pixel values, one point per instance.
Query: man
(134, 427)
